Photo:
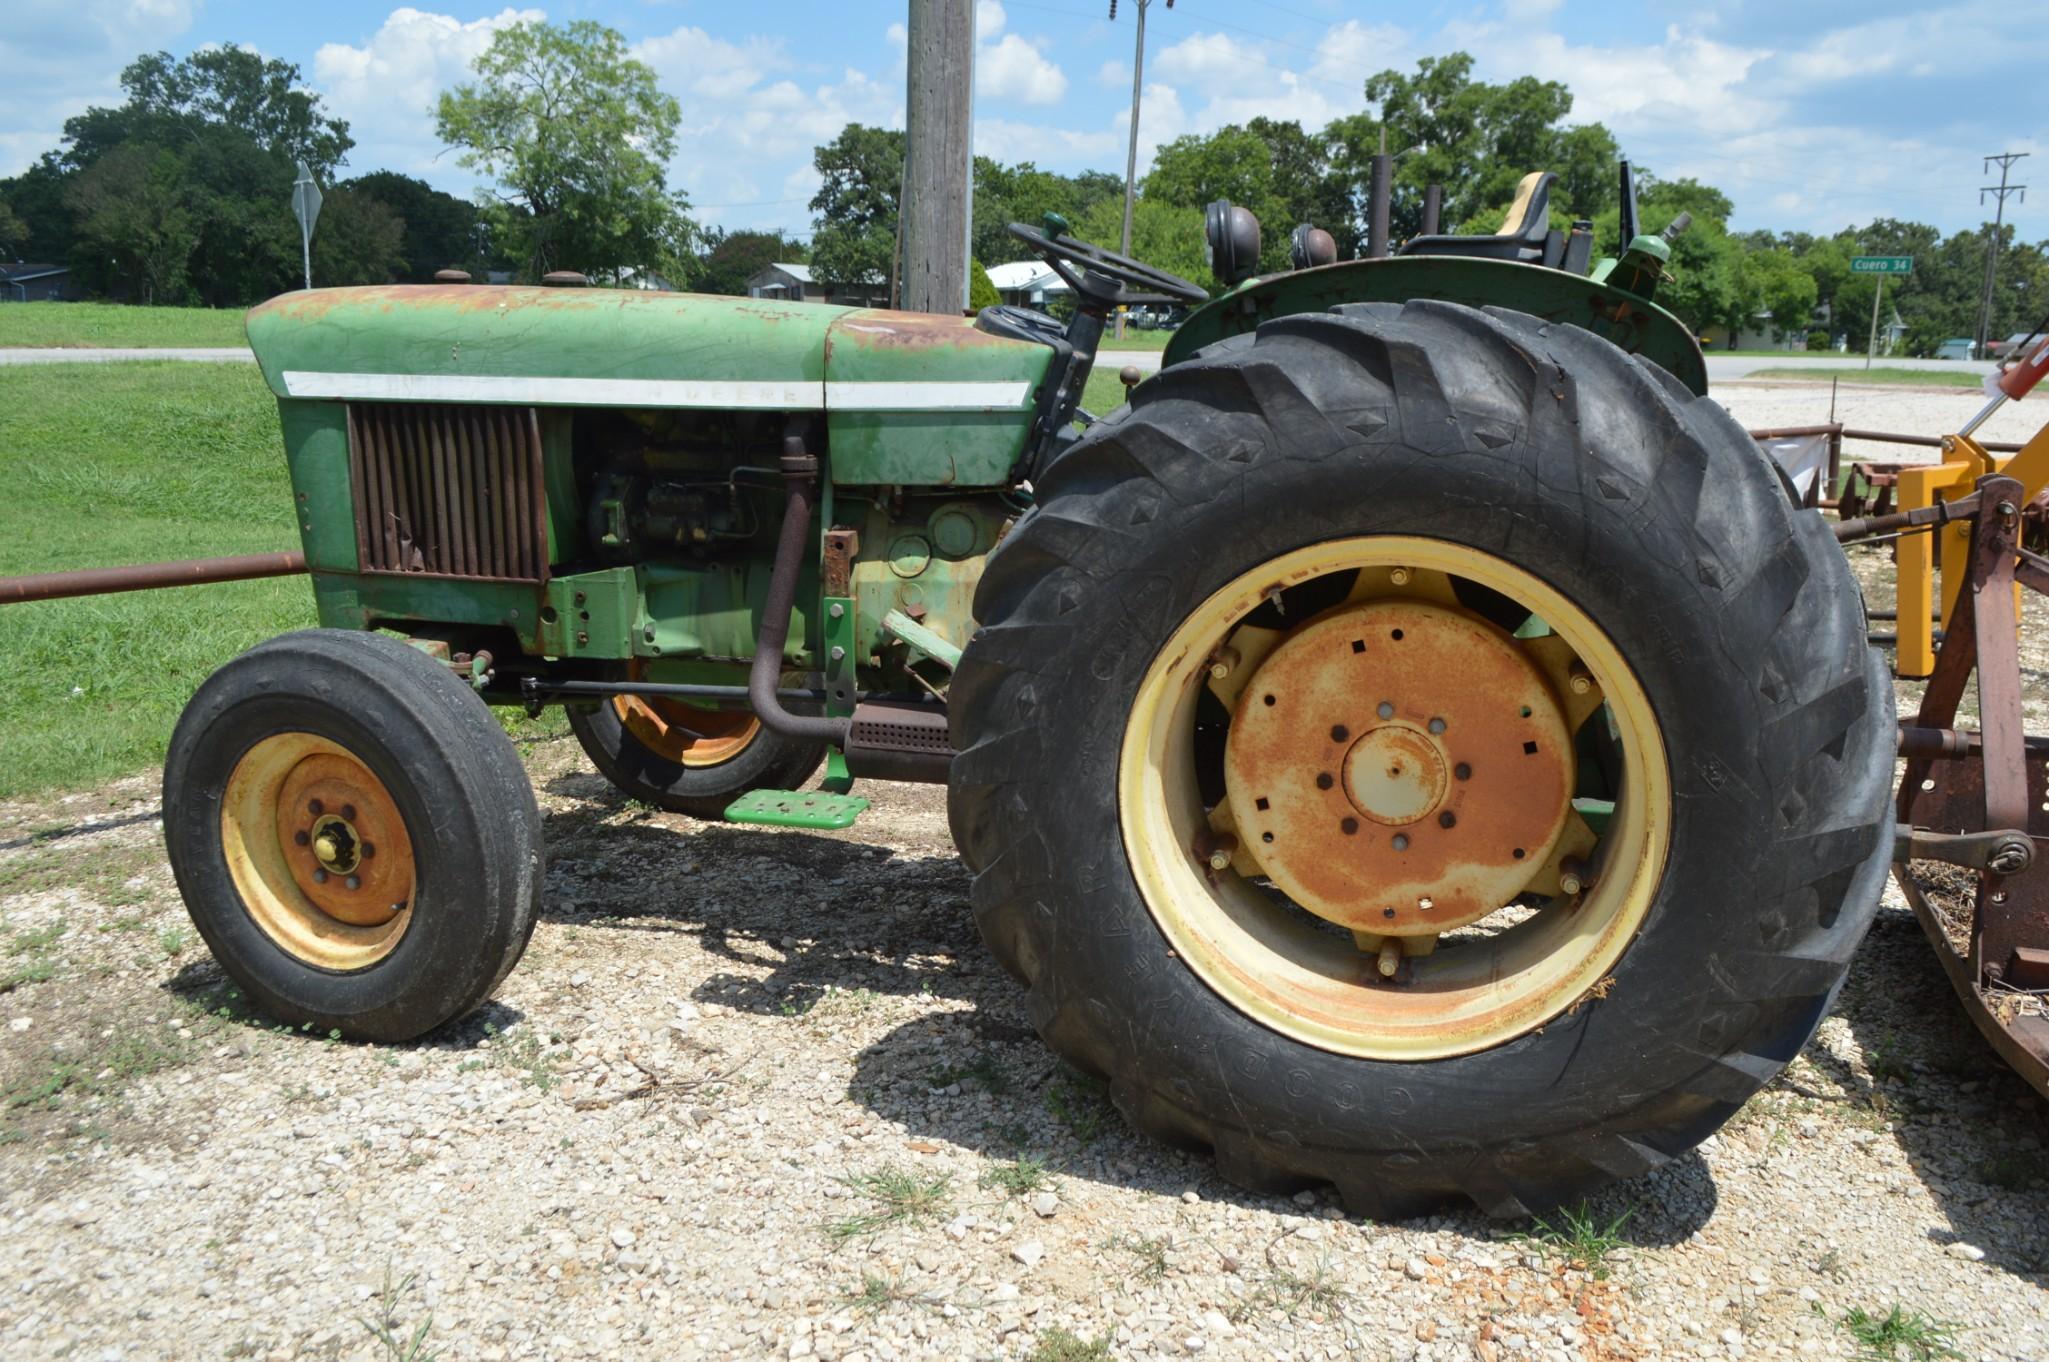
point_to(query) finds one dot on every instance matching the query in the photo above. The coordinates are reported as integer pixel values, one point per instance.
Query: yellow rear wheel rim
(318, 852)
(1311, 979)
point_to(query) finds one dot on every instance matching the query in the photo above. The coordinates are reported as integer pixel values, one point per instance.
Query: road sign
(306, 208)
(1881, 264)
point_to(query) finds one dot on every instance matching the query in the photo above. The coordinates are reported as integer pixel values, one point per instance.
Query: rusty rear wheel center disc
(1400, 768)
(686, 734)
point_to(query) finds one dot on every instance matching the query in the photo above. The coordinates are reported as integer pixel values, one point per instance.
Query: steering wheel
(1137, 281)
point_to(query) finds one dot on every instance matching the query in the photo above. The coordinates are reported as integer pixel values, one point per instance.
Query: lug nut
(1572, 875)
(1222, 663)
(1401, 841)
(1399, 576)
(319, 876)
(1385, 710)
(300, 838)
(369, 850)
(1462, 771)
(1580, 679)
(1390, 955)
(353, 882)
(1221, 848)
(315, 807)
(349, 812)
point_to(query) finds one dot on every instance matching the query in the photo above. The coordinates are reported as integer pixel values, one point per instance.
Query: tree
(1273, 168)
(13, 233)
(1166, 236)
(736, 257)
(360, 241)
(576, 133)
(223, 87)
(981, 291)
(1024, 193)
(1774, 281)
(130, 208)
(1477, 140)
(441, 231)
(861, 185)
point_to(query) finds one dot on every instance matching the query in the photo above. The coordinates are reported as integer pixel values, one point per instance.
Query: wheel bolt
(1401, 841)
(369, 850)
(300, 838)
(353, 882)
(1447, 819)
(349, 812)
(1386, 709)
(319, 876)
(1437, 725)
(1581, 680)
(315, 807)
(1324, 780)
(1399, 576)
(1462, 771)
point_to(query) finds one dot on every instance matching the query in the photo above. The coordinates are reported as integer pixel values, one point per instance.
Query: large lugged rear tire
(353, 833)
(1748, 720)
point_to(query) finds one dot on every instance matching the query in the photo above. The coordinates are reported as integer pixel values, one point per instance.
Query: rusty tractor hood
(620, 347)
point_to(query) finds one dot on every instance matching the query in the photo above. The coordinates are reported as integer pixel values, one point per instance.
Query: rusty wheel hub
(1399, 767)
(349, 851)
(686, 734)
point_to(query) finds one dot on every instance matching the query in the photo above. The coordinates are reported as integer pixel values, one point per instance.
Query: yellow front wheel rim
(318, 851)
(1337, 974)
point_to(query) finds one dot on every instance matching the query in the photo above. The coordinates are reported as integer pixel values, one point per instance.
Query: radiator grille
(449, 491)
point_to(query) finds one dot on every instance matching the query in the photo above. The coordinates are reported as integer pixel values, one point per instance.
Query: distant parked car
(1959, 348)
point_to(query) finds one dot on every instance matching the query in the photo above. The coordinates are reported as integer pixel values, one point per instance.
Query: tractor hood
(911, 397)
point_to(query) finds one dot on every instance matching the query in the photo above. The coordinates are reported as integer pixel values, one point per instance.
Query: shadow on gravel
(1976, 1135)
(832, 919)
(202, 985)
(828, 917)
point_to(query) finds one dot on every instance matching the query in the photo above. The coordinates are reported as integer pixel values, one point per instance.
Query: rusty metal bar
(52, 586)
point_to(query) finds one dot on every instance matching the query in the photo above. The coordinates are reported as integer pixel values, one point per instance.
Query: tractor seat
(1525, 235)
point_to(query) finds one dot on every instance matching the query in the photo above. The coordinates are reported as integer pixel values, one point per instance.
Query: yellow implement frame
(1964, 462)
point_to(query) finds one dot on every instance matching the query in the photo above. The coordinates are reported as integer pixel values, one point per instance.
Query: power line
(2006, 160)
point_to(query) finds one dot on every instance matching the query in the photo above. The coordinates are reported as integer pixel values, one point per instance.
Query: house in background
(26, 283)
(797, 284)
(1027, 283)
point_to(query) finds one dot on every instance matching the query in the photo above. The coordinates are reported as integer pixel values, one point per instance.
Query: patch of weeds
(2016, 1170)
(522, 1054)
(837, 1001)
(983, 1071)
(1886, 1063)
(1149, 1250)
(1900, 1335)
(1082, 1104)
(136, 1052)
(1059, 1345)
(37, 970)
(1578, 1239)
(1020, 1177)
(878, 1293)
(1290, 1292)
(172, 941)
(36, 941)
(393, 1342)
(900, 1196)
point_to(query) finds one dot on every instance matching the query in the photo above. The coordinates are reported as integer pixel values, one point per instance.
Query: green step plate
(792, 809)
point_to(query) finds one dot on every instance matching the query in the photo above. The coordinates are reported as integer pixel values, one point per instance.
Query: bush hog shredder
(1416, 743)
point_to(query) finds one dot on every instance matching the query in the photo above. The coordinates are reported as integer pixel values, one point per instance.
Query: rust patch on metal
(449, 491)
(344, 841)
(1399, 768)
(881, 329)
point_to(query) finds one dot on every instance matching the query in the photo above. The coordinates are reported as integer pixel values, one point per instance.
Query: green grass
(897, 1196)
(1061, 1345)
(1134, 339)
(1019, 1178)
(113, 324)
(1578, 1239)
(1900, 1335)
(130, 463)
(1925, 378)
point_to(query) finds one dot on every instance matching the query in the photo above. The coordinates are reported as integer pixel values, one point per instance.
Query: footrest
(792, 809)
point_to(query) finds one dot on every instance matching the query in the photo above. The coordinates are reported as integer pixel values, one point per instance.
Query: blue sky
(1811, 114)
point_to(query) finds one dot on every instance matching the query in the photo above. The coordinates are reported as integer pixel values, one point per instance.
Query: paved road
(68, 355)
(1736, 366)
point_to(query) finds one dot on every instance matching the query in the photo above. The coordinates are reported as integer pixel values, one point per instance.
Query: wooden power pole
(939, 114)
(1131, 153)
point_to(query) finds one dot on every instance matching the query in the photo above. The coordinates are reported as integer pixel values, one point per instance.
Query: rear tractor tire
(686, 759)
(353, 833)
(1423, 750)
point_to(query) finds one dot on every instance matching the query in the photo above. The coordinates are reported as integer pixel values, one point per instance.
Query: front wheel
(1422, 749)
(353, 833)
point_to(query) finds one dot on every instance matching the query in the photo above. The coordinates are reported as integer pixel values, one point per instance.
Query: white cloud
(1011, 68)
(1529, 11)
(60, 56)
(387, 87)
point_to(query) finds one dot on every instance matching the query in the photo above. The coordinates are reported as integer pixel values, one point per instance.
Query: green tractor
(1415, 743)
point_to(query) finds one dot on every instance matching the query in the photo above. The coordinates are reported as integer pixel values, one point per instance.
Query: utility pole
(938, 155)
(2005, 159)
(1131, 154)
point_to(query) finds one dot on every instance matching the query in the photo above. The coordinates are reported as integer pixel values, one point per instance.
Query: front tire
(353, 834)
(1503, 455)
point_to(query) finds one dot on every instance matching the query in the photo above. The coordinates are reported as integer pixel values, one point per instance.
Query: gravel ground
(762, 1094)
